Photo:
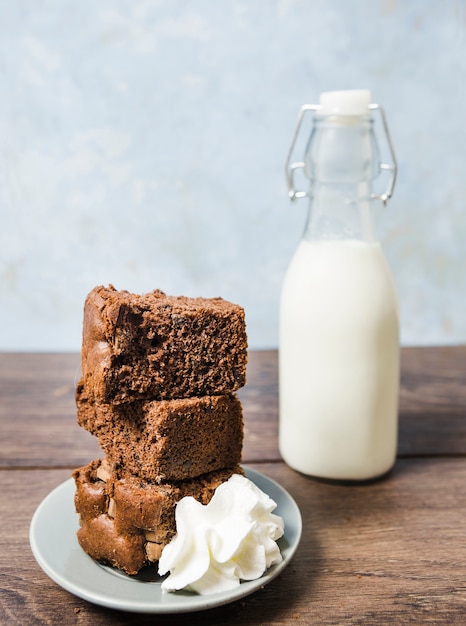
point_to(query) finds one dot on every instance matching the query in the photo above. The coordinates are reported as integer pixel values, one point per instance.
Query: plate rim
(179, 602)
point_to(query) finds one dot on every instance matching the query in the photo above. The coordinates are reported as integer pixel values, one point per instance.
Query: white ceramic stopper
(350, 102)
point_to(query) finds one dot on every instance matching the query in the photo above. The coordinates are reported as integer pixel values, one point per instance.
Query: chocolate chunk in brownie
(138, 519)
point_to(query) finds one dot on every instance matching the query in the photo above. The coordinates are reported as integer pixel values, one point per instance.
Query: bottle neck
(341, 162)
(340, 211)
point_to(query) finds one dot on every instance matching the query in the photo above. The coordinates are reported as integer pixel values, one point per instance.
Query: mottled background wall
(142, 144)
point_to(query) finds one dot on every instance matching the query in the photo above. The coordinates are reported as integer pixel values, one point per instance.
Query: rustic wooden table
(393, 551)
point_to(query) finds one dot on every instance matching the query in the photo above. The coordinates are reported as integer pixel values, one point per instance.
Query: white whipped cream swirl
(217, 545)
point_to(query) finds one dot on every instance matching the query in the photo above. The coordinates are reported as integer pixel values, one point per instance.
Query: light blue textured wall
(142, 144)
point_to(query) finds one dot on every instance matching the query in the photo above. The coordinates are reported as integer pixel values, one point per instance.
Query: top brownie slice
(155, 346)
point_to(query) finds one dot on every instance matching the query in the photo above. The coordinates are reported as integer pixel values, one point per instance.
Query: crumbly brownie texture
(156, 347)
(126, 522)
(167, 439)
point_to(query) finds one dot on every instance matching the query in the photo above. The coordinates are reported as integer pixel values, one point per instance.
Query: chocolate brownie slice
(167, 439)
(156, 347)
(125, 521)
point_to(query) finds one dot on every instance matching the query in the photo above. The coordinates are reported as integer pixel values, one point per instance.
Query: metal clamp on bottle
(292, 167)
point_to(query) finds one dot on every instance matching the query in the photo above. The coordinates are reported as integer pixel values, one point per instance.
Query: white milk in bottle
(339, 326)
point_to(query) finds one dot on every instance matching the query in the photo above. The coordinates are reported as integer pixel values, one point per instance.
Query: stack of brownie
(159, 376)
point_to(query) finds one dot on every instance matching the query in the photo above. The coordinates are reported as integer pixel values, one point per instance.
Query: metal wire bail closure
(291, 167)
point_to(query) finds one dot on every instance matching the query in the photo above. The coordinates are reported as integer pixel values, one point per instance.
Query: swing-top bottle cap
(349, 102)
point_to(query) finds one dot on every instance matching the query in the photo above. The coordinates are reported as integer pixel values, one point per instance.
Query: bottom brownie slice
(125, 521)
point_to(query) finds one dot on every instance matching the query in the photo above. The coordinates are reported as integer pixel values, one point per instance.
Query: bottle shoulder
(346, 275)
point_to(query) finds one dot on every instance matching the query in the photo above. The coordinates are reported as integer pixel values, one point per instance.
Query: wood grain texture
(389, 552)
(433, 401)
(37, 412)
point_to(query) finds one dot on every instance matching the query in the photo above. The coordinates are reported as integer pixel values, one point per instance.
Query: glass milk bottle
(339, 321)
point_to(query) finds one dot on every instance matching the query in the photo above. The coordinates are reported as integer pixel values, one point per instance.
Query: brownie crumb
(155, 346)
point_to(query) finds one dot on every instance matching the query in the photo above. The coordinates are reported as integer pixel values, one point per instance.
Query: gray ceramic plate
(54, 545)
